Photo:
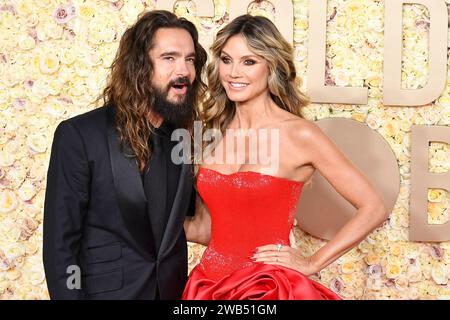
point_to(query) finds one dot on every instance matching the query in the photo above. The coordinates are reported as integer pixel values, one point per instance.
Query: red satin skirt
(257, 282)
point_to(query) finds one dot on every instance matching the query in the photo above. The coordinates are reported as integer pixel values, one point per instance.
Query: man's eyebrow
(176, 54)
(170, 53)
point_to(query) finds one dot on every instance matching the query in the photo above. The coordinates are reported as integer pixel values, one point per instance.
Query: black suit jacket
(95, 217)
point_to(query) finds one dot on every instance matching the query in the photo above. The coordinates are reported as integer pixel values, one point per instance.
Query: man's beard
(178, 114)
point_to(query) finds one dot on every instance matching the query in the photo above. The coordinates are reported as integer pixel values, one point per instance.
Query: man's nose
(182, 68)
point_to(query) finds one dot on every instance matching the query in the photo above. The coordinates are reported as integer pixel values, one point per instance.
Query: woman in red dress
(246, 206)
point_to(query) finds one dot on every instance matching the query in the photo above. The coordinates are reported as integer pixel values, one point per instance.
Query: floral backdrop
(54, 58)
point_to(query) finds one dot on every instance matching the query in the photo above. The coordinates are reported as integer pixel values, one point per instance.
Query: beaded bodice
(248, 210)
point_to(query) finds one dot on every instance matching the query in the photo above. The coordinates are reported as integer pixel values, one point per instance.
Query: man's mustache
(181, 81)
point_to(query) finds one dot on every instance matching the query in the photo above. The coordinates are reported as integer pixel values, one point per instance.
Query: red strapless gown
(248, 210)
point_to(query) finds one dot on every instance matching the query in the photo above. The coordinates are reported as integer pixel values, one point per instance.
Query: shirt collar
(165, 128)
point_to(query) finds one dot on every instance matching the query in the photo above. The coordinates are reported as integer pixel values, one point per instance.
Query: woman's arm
(352, 185)
(198, 227)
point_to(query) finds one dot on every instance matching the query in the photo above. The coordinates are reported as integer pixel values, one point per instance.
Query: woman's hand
(285, 256)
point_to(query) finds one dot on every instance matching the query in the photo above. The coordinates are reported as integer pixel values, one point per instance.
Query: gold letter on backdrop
(205, 9)
(422, 180)
(317, 90)
(322, 211)
(284, 15)
(394, 95)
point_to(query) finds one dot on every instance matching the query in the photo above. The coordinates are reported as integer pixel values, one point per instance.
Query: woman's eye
(225, 60)
(249, 62)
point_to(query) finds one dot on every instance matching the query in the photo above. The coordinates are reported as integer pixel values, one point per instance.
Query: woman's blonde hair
(264, 39)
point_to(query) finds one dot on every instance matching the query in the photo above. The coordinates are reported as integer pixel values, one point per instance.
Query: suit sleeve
(191, 208)
(66, 201)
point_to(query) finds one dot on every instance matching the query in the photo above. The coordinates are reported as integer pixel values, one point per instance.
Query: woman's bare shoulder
(301, 130)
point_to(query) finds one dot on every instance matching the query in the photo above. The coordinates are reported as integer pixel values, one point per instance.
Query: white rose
(27, 191)
(36, 275)
(55, 109)
(10, 78)
(67, 56)
(6, 159)
(37, 143)
(49, 63)
(25, 42)
(414, 273)
(39, 90)
(4, 96)
(439, 274)
(53, 30)
(32, 20)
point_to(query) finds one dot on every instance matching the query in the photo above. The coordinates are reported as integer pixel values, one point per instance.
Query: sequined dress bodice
(248, 210)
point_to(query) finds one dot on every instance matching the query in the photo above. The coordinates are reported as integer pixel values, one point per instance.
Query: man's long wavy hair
(128, 86)
(264, 39)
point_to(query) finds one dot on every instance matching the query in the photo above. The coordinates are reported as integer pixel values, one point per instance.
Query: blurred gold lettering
(422, 180)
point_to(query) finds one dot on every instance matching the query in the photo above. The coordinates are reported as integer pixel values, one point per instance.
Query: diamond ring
(279, 246)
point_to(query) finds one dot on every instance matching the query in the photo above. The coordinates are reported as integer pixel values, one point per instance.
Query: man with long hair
(115, 202)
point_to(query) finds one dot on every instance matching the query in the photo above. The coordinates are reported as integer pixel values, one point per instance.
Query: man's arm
(66, 201)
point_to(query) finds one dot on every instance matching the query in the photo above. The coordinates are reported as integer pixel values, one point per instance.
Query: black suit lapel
(130, 191)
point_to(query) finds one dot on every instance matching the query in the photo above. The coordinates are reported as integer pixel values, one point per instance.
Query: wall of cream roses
(54, 58)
